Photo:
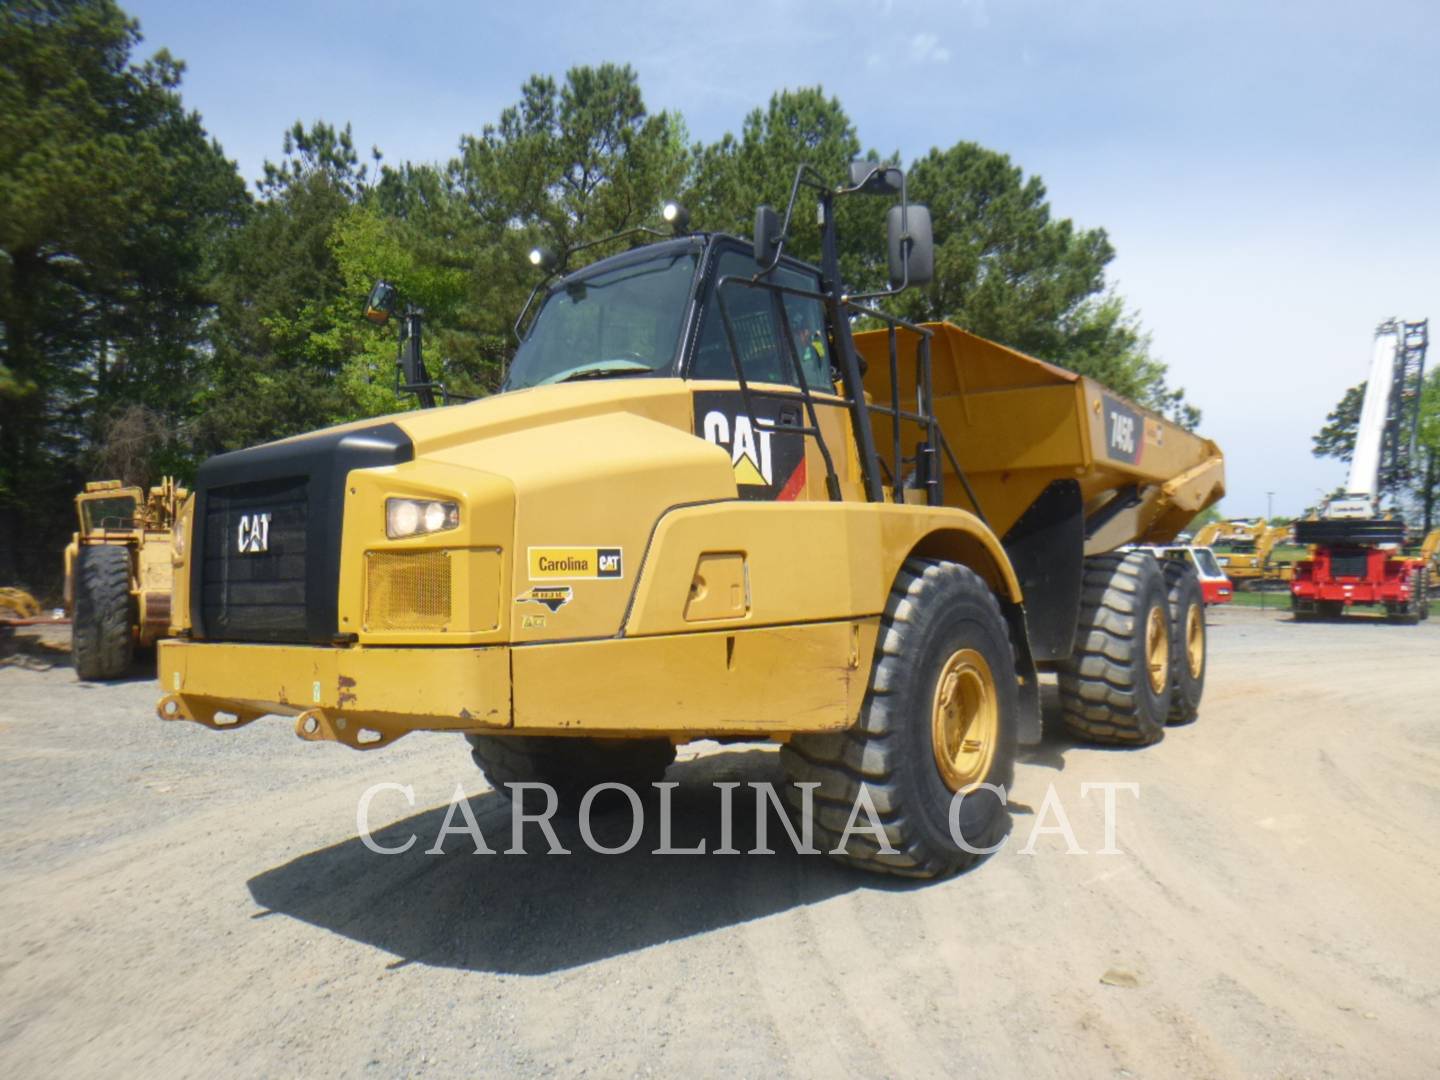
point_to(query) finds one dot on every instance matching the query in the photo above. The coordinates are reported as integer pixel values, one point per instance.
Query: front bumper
(364, 697)
(761, 682)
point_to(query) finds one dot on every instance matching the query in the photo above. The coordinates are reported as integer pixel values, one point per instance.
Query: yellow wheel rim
(1195, 640)
(965, 720)
(1157, 648)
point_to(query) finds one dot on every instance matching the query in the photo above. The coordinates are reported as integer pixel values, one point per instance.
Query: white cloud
(925, 48)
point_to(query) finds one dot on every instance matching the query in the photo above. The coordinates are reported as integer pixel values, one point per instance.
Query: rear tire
(572, 766)
(1116, 687)
(102, 640)
(1189, 649)
(939, 717)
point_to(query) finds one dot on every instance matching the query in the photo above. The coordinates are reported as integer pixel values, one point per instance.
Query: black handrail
(923, 416)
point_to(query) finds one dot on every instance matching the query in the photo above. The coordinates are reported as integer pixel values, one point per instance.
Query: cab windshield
(112, 513)
(1208, 566)
(619, 322)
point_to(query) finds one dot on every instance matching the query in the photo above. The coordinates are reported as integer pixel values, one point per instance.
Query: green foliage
(1428, 440)
(113, 202)
(152, 312)
(573, 162)
(735, 175)
(275, 367)
(1428, 432)
(1337, 438)
(1008, 270)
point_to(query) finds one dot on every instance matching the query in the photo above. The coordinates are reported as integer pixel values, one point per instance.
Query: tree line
(155, 310)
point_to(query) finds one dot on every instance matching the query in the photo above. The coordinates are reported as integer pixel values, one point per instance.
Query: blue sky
(1267, 171)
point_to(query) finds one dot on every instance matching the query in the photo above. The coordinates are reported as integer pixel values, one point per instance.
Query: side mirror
(767, 235)
(919, 241)
(381, 304)
(875, 178)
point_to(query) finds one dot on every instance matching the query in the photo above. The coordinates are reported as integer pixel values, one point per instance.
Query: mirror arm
(906, 243)
(801, 180)
(529, 300)
(412, 362)
(905, 248)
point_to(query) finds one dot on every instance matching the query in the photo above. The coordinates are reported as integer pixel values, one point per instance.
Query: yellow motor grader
(703, 507)
(118, 573)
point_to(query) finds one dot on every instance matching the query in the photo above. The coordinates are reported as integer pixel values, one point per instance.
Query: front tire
(103, 641)
(1116, 688)
(939, 718)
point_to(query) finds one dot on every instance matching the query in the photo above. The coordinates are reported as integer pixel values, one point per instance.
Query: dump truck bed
(1016, 425)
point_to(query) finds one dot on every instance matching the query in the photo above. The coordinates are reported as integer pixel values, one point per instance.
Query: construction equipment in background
(119, 568)
(1430, 555)
(1208, 533)
(16, 604)
(17, 607)
(701, 508)
(1355, 553)
(1245, 554)
(1215, 586)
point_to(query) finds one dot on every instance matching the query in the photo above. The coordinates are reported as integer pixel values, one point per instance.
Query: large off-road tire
(102, 637)
(572, 766)
(1188, 643)
(939, 717)
(1116, 686)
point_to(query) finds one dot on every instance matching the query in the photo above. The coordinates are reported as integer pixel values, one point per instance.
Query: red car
(1214, 585)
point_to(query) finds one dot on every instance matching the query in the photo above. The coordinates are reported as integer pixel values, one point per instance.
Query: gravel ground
(177, 901)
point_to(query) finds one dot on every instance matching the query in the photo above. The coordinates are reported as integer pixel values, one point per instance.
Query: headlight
(417, 517)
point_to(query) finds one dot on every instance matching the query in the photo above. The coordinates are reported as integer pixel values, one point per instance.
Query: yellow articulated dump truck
(702, 507)
(118, 571)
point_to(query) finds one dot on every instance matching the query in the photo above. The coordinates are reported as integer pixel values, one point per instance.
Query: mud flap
(1047, 549)
(1029, 727)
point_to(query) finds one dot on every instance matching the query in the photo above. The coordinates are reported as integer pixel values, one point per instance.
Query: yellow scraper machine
(701, 507)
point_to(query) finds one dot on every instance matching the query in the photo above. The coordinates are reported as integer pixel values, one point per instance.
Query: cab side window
(755, 317)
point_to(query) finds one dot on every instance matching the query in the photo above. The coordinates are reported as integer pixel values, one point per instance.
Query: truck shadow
(540, 912)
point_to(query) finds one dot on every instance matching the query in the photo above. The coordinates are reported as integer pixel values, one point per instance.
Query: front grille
(1355, 565)
(258, 595)
(289, 592)
(407, 590)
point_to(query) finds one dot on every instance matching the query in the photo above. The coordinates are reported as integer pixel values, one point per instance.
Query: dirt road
(180, 902)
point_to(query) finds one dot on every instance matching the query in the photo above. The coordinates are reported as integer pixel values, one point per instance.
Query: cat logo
(750, 451)
(766, 455)
(253, 536)
(553, 597)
